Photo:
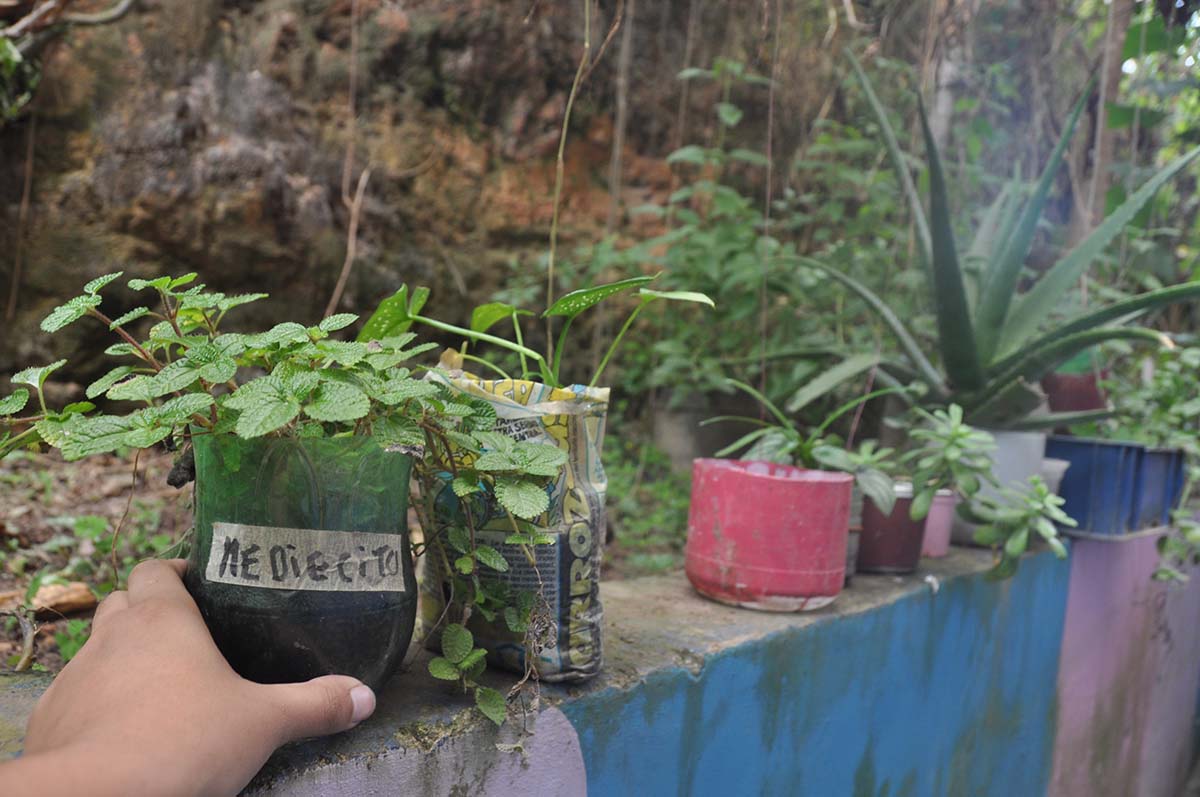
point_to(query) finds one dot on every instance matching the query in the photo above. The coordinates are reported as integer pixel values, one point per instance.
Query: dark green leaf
(492, 704)
(443, 669)
(575, 302)
(457, 642)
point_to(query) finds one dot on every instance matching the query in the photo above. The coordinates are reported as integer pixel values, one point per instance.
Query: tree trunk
(1091, 212)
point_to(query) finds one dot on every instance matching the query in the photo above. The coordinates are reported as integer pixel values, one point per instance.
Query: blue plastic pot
(1099, 485)
(1154, 491)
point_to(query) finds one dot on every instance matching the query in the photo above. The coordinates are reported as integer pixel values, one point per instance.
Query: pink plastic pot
(938, 524)
(765, 536)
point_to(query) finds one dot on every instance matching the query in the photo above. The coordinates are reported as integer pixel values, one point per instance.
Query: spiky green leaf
(1040, 301)
(1000, 283)
(956, 333)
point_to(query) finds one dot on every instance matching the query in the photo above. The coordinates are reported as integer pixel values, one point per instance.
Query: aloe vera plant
(994, 341)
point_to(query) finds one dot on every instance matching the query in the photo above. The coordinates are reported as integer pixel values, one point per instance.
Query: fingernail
(364, 703)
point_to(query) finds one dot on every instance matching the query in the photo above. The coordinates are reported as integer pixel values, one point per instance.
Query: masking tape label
(305, 559)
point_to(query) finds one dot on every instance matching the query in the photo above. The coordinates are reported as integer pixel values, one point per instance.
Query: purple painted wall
(1128, 676)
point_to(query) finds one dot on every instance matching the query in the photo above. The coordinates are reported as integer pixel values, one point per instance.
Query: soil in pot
(301, 564)
(767, 536)
(891, 543)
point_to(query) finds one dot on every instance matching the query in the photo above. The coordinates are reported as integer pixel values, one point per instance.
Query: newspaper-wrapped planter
(573, 419)
(300, 563)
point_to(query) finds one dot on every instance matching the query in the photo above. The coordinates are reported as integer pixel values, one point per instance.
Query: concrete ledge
(932, 685)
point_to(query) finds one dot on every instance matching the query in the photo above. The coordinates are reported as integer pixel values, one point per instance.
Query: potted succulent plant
(302, 447)
(770, 531)
(951, 462)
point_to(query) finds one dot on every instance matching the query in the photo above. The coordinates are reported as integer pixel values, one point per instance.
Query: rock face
(208, 136)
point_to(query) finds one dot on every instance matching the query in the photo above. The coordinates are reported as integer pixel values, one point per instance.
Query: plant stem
(482, 361)
(558, 167)
(520, 342)
(616, 342)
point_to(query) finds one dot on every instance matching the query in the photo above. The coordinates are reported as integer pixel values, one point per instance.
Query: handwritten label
(305, 559)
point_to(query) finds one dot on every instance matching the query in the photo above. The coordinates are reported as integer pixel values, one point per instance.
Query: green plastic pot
(311, 573)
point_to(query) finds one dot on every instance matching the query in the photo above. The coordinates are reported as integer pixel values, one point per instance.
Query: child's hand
(149, 706)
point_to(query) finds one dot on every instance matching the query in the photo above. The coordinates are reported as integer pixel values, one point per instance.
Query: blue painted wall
(938, 694)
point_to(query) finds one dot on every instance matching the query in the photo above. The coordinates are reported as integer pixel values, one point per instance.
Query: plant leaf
(69, 313)
(442, 669)
(817, 387)
(491, 557)
(13, 404)
(132, 315)
(336, 401)
(956, 334)
(492, 704)
(337, 321)
(93, 287)
(1040, 301)
(35, 376)
(899, 164)
(1000, 283)
(905, 338)
(575, 302)
(101, 385)
(676, 296)
(457, 642)
(523, 498)
(488, 315)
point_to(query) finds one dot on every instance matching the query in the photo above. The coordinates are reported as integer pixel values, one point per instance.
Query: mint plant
(188, 378)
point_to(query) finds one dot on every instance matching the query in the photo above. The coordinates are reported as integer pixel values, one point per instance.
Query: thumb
(325, 705)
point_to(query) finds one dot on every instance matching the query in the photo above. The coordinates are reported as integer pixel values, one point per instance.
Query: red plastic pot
(1074, 392)
(891, 543)
(766, 536)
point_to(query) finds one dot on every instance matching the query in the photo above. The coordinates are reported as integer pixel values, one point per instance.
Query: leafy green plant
(1008, 520)
(949, 455)
(781, 440)
(293, 380)
(462, 662)
(400, 311)
(991, 344)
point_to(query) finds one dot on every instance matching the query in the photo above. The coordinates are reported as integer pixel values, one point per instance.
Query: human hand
(149, 705)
